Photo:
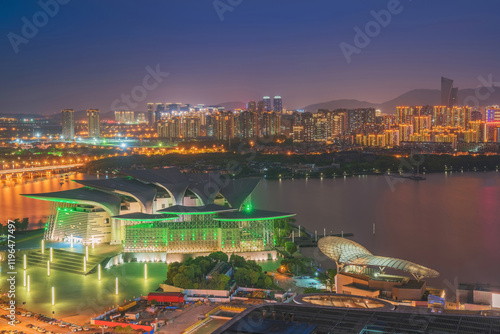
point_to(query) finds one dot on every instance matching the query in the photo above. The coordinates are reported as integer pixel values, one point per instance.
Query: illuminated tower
(267, 103)
(93, 123)
(224, 125)
(278, 104)
(68, 124)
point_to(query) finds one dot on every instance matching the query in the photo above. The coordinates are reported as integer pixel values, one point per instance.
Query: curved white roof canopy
(347, 252)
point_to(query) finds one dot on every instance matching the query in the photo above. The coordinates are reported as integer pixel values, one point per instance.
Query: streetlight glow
(53, 297)
(99, 271)
(24, 261)
(48, 268)
(145, 271)
(51, 258)
(116, 286)
(84, 264)
(28, 283)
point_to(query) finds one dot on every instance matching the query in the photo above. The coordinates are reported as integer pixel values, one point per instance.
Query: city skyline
(230, 166)
(293, 50)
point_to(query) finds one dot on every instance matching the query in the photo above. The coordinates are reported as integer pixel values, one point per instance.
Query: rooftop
(85, 195)
(140, 216)
(205, 209)
(348, 320)
(348, 252)
(252, 214)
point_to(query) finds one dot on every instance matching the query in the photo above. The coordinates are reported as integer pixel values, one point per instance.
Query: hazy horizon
(87, 54)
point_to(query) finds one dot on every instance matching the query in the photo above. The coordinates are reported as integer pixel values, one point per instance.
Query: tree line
(191, 273)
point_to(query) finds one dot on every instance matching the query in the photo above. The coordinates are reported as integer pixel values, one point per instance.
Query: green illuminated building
(163, 210)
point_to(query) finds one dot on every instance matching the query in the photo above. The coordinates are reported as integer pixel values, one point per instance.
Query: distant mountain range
(412, 98)
(485, 97)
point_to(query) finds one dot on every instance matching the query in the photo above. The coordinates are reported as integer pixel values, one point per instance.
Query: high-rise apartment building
(267, 103)
(151, 114)
(249, 124)
(261, 106)
(94, 130)
(68, 124)
(190, 127)
(224, 125)
(124, 117)
(492, 113)
(271, 125)
(251, 106)
(278, 104)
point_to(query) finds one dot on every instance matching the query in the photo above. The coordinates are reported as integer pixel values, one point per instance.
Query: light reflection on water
(448, 223)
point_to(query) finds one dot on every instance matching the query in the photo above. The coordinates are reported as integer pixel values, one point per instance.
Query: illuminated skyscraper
(125, 117)
(93, 123)
(249, 124)
(405, 131)
(271, 124)
(492, 113)
(278, 104)
(190, 127)
(267, 103)
(68, 124)
(421, 123)
(224, 125)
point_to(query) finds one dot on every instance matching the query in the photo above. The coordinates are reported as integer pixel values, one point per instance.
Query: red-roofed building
(166, 297)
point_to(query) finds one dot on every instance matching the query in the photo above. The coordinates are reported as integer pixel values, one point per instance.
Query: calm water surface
(450, 222)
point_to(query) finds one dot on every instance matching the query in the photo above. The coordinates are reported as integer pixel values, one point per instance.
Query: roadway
(38, 169)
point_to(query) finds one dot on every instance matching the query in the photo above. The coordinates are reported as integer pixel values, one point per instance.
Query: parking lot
(31, 323)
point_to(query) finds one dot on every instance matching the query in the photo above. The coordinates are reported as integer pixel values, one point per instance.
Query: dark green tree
(290, 247)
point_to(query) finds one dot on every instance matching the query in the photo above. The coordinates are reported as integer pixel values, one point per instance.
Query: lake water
(449, 222)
